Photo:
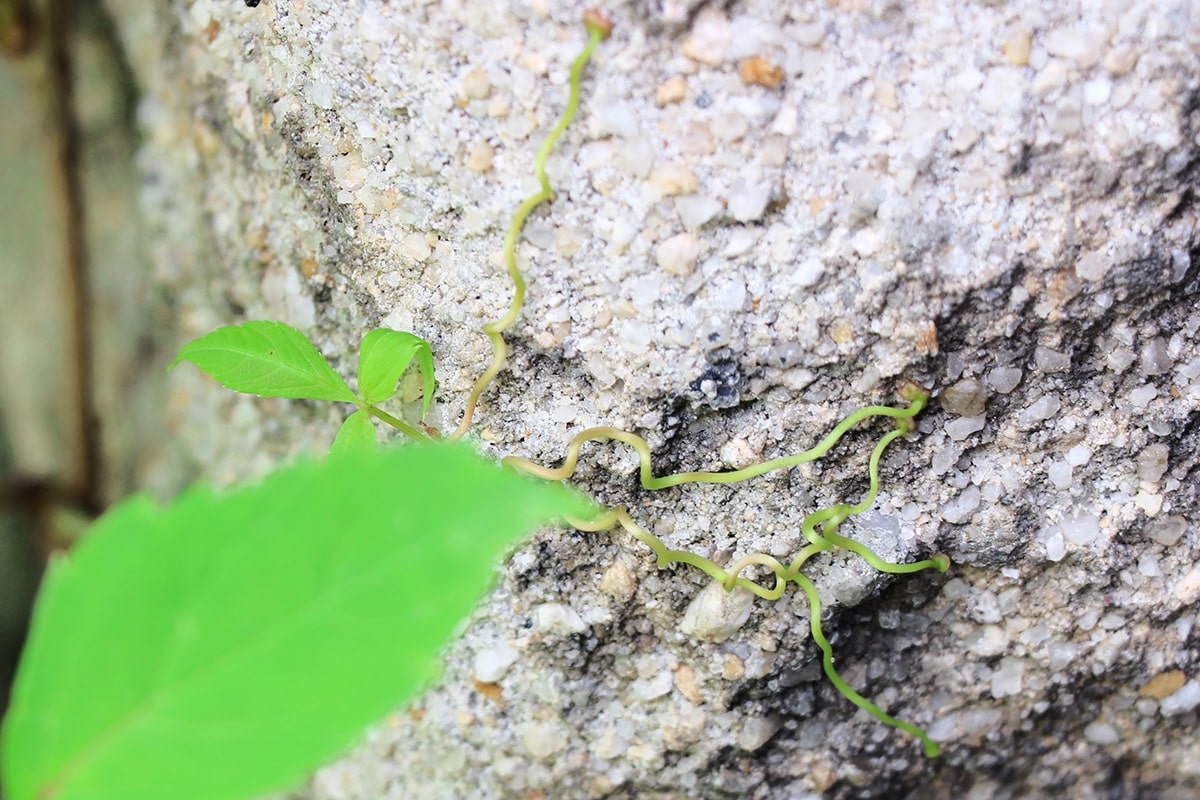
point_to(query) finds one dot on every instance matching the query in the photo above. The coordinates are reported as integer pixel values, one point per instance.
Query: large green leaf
(383, 357)
(224, 645)
(268, 359)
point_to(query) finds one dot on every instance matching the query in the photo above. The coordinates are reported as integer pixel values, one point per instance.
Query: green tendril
(819, 529)
(495, 330)
(814, 601)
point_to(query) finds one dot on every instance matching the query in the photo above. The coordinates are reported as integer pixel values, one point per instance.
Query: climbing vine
(385, 355)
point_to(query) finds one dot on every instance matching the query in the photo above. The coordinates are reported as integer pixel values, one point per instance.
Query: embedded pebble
(634, 335)
(696, 210)
(757, 71)
(1079, 455)
(618, 582)
(543, 738)
(415, 247)
(1101, 733)
(1096, 92)
(558, 619)
(1050, 361)
(1164, 684)
(1155, 360)
(1061, 655)
(810, 34)
(1121, 61)
(1142, 395)
(715, 614)
(1081, 527)
(671, 92)
(685, 681)
(1060, 474)
(1040, 410)
(961, 428)
(1004, 379)
(1167, 531)
(756, 732)
(492, 663)
(609, 744)
(1183, 701)
(808, 272)
(748, 201)
(966, 398)
(1009, 677)
(1056, 546)
(710, 37)
(1092, 266)
(729, 127)
(475, 85)
(684, 727)
(944, 459)
(672, 179)
(1152, 462)
(961, 508)
(989, 640)
(480, 156)
(1017, 47)
(652, 686)
(636, 157)
(678, 255)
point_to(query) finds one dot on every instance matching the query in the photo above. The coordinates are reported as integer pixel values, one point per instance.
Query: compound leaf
(268, 359)
(384, 356)
(222, 646)
(356, 434)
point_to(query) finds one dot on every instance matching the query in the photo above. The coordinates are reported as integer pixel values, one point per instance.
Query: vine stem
(398, 424)
(495, 329)
(819, 528)
(644, 457)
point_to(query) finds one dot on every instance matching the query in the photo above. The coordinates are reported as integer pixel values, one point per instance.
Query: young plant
(820, 528)
(270, 359)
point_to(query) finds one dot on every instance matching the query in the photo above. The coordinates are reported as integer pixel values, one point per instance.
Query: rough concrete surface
(766, 215)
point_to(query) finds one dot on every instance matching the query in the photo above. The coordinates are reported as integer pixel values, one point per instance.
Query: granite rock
(996, 192)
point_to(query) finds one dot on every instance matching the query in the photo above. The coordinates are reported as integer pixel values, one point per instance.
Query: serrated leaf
(357, 434)
(268, 359)
(384, 356)
(222, 646)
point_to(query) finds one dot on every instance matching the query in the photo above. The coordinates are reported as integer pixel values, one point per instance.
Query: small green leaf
(357, 434)
(268, 359)
(221, 647)
(384, 356)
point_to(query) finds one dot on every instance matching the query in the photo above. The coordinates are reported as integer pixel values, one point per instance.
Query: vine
(383, 363)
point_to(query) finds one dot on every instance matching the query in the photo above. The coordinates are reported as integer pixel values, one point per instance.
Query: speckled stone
(924, 191)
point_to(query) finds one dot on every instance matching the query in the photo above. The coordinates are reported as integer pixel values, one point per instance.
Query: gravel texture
(766, 215)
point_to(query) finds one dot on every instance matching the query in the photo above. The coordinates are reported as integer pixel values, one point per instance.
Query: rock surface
(766, 214)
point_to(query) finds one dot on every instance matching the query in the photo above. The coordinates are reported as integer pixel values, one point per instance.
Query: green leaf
(222, 646)
(268, 359)
(384, 356)
(357, 434)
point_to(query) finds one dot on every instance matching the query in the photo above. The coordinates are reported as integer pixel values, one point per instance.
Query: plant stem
(398, 424)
